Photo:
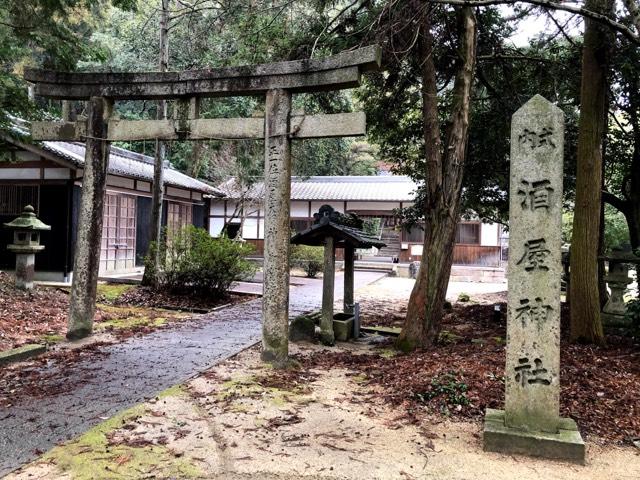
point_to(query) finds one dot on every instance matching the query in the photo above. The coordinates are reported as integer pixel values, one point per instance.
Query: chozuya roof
(381, 188)
(129, 164)
(345, 229)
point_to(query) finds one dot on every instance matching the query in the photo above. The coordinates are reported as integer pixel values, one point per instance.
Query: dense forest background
(123, 35)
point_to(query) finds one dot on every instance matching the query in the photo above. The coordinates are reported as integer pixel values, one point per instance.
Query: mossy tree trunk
(443, 171)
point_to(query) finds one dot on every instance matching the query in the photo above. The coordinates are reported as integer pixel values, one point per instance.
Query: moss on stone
(79, 332)
(275, 349)
(51, 339)
(91, 457)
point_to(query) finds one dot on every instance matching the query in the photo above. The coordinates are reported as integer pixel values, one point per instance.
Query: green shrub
(464, 297)
(310, 259)
(446, 390)
(192, 261)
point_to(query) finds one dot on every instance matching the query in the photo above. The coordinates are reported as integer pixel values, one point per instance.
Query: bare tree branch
(561, 28)
(614, 201)
(617, 26)
(634, 12)
(326, 27)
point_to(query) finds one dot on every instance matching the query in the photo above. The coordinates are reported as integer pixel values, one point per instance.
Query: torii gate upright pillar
(277, 177)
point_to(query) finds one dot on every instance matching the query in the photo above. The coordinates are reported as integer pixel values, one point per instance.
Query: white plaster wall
(300, 209)
(489, 234)
(250, 228)
(56, 173)
(20, 173)
(215, 226)
(217, 207)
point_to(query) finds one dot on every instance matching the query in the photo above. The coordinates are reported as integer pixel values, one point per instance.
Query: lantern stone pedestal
(26, 243)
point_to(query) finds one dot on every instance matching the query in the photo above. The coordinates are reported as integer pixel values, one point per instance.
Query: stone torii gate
(277, 81)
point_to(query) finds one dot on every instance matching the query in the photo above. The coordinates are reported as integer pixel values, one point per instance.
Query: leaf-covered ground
(464, 374)
(40, 315)
(33, 317)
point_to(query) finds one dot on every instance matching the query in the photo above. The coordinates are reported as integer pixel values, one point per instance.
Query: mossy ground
(91, 456)
(124, 318)
(110, 292)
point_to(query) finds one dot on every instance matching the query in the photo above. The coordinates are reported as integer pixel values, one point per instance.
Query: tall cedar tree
(443, 172)
(151, 274)
(586, 324)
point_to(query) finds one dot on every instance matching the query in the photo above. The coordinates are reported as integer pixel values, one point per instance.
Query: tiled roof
(369, 188)
(129, 164)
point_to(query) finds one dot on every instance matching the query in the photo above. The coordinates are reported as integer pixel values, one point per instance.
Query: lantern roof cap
(27, 221)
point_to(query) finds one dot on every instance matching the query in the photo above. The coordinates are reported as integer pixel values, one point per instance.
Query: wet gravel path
(127, 373)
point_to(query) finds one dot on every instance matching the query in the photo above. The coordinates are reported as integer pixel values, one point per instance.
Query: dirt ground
(360, 410)
(242, 420)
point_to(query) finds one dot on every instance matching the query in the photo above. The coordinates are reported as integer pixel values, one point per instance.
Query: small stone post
(328, 283)
(87, 255)
(348, 278)
(531, 422)
(277, 176)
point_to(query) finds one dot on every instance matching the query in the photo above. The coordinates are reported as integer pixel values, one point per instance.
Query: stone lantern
(26, 243)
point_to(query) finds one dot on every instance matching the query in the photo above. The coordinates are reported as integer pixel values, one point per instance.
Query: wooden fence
(476, 255)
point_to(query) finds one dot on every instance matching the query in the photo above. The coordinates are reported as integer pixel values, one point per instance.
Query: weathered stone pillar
(348, 278)
(277, 177)
(25, 270)
(531, 421)
(328, 283)
(87, 253)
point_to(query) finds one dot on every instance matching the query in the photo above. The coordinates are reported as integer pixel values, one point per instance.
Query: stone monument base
(567, 444)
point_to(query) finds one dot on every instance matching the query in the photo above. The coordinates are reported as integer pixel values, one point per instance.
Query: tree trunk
(196, 159)
(632, 216)
(586, 324)
(632, 213)
(443, 173)
(150, 276)
(86, 263)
